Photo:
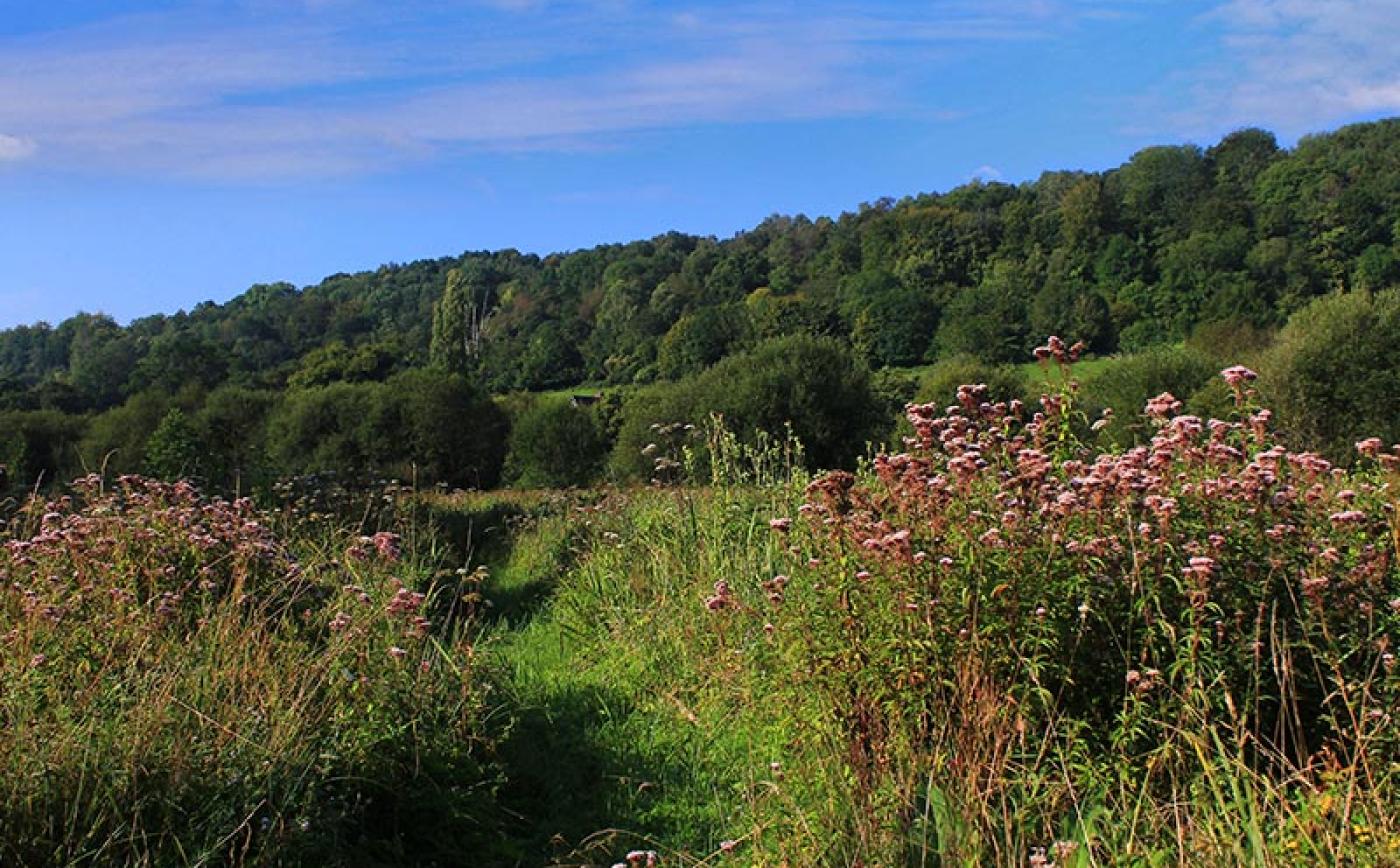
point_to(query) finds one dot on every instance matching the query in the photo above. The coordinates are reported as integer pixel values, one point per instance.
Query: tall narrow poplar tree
(451, 317)
(460, 316)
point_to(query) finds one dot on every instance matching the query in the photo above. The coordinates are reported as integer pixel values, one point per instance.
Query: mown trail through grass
(594, 764)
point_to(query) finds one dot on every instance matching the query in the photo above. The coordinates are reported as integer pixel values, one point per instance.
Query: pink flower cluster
(141, 546)
(1238, 376)
(1054, 348)
(382, 544)
(406, 605)
(722, 598)
(985, 485)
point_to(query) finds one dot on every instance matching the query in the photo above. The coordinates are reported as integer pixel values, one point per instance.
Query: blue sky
(157, 154)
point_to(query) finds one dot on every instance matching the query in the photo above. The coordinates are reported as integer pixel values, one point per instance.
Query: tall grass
(1002, 647)
(183, 685)
(997, 646)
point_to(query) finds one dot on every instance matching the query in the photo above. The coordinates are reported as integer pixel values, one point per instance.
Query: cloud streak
(339, 87)
(13, 148)
(1295, 65)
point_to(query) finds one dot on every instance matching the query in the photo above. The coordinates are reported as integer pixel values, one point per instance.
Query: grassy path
(592, 766)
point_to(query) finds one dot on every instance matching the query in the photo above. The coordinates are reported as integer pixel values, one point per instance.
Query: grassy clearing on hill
(1037, 376)
(590, 388)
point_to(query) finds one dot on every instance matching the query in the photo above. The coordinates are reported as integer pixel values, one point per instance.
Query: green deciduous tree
(460, 316)
(700, 339)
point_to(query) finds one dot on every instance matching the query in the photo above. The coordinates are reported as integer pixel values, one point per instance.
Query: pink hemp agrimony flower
(1200, 568)
(1371, 446)
(781, 525)
(1238, 375)
(721, 599)
(387, 544)
(1163, 406)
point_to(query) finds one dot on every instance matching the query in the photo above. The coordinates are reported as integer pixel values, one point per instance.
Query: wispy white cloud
(321, 87)
(1294, 65)
(986, 173)
(13, 148)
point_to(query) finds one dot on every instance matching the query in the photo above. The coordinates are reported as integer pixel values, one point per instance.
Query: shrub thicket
(423, 423)
(1333, 375)
(1124, 387)
(115, 439)
(555, 444)
(37, 446)
(940, 384)
(811, 384)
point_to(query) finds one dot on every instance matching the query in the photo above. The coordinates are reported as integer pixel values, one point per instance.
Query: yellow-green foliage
(1334, 372)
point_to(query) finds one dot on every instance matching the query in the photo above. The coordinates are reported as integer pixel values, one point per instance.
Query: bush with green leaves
(233, 434)
(940, 384)
(1125, 384)
(1230, 341)
(555, 444)
(811, 384)
(424, 423)
(115, 439)
(327, 428)
(37, 446)
(1333, 374)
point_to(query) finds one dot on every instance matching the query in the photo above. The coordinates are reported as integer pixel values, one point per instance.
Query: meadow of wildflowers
(1003, 644)
(1184, 647)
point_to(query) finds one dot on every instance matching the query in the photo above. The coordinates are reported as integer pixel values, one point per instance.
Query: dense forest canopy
(1242, 233)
